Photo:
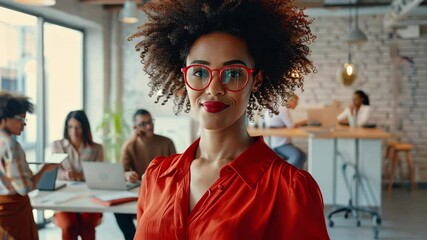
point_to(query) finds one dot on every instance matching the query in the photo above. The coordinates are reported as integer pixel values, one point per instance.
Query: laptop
(324, 119)
(48, 181)
(106, 176)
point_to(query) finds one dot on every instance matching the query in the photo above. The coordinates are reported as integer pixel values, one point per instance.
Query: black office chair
(355, 210)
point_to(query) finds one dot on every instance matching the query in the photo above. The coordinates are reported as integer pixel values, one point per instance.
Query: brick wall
(412, 100)
(375, 76)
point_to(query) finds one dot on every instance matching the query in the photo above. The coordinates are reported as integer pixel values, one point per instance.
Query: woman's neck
(76, 143)
(224, 144)
(6, 131)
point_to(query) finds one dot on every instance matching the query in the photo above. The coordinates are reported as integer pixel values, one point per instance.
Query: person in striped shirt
(16, 178)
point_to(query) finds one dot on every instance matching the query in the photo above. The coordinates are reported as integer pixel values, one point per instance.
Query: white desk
(325, 167)
(78, 200)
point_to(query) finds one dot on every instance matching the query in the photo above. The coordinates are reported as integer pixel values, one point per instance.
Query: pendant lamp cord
(349, 28)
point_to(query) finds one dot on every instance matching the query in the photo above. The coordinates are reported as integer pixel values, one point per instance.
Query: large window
(44, 61)
(63, 54)
(18, 65)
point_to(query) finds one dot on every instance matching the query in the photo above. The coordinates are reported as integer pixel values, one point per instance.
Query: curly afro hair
(14, 104)
(276, 31)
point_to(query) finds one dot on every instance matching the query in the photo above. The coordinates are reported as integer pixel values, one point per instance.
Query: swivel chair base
(376, 218)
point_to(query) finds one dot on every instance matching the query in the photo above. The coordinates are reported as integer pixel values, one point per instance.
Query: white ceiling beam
(398, 10)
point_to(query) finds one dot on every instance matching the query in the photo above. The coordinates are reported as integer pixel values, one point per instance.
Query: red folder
(113, 202)
(115, 198)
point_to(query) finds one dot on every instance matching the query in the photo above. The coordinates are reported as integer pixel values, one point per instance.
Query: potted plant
(113, 129)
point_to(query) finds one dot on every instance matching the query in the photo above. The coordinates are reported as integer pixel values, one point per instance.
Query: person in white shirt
(282, 145)
(357, 114)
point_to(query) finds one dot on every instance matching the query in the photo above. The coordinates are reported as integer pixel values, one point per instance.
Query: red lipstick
(214, 106)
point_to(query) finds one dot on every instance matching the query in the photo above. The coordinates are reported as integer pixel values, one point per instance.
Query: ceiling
(117, 4)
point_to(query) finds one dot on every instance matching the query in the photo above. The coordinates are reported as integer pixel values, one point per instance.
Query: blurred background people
(80, 147)
(283, 145)
(136, 155)
(357, 113)
(16, 178)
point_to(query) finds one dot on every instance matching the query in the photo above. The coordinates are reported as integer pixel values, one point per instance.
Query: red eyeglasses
(234, 77)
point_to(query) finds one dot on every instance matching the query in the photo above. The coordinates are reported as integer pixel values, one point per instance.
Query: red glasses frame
(248, 70)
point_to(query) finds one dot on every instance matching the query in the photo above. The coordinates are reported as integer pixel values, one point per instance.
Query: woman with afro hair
(224, 59)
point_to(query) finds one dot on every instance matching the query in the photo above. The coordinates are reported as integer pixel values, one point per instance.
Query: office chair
(355, 209)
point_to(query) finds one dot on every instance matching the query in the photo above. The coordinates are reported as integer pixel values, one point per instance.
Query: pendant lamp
(129, 13)
(356, 36)
(347, 72)
(37, 2)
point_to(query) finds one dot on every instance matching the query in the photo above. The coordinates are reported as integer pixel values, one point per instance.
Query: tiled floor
(404, 218)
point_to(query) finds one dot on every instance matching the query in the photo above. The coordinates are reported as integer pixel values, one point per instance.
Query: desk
(79, 201)
(326, 168)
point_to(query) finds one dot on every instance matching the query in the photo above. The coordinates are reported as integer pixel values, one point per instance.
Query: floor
(404, 217)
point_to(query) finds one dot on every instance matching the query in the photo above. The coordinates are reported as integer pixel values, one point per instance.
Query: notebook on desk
(106, 176)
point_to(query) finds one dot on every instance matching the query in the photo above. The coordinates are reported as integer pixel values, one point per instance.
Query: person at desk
(79, 146)
(228, 58)
(136, 155)
(283, 145)
(16, 178)
(357, 114)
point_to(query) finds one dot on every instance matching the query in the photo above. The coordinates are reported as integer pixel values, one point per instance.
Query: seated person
(282, 145)
(80, 147)
(357, 114)
(136, 155)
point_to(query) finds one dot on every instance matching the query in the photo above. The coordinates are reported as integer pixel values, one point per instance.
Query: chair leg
(394, 161)
(411, 169)
(389, 153)
(402, 175)
(388, 160)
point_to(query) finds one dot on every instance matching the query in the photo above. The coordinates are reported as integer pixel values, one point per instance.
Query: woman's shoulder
(61, 142)
(367, 107)
(162, 165)
(96, 145)
(294, 177)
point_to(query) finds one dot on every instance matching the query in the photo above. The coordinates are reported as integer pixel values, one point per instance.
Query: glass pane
(64, 77)
(18, 66)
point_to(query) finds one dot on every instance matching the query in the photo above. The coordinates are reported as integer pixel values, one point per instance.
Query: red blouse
(257, 196)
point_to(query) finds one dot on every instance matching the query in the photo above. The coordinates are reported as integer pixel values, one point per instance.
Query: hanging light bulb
(348, 73)
(37, 2)
(349, 69)
(129, 13)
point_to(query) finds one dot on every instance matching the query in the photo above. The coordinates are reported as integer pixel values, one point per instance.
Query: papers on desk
(109, 199)
(57, 197)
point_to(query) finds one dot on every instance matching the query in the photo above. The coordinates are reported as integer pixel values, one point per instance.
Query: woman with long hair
(80, 147)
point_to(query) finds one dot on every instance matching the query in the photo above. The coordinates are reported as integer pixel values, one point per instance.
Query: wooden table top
(318, 132)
